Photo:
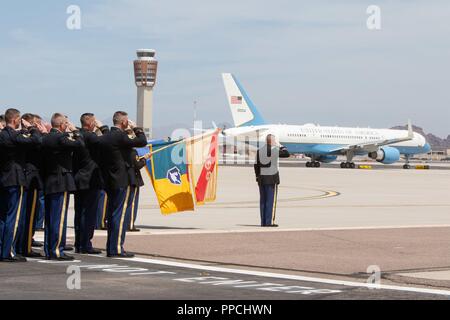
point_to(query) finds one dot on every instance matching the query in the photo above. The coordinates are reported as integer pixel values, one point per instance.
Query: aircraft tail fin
(243, 110)
(410, 130)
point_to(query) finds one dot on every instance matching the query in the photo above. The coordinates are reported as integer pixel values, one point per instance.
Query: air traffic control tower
(145, 69)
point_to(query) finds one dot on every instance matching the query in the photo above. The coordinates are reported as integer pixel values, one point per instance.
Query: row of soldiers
(95, 163)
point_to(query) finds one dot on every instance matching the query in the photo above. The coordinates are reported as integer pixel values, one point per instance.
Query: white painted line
(287, 276)
(57, 261)
(257, 229)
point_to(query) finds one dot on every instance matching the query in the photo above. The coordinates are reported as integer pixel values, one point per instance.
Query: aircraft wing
(374, 145)
(245, 132)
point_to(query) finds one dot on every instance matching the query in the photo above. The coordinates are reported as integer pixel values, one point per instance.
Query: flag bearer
(120, 179)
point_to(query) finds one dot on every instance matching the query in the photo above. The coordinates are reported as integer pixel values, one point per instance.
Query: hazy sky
(300, 61)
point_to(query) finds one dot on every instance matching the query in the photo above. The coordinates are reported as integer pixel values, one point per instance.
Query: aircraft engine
(386, 155)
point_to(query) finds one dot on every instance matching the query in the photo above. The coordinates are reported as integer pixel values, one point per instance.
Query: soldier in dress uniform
(120, 179)
(34, 186)
(58, 147)
(89, 181)
(268, 178)
(13, 144)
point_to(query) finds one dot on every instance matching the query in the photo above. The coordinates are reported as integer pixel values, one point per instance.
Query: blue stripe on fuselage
(323, 149)
(314, 148)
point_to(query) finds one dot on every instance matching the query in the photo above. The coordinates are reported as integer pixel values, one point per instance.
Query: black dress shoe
(14, 259)
(91, 251)
(37, 244)
(122, 255)
(33, 254)
(65, 257)
(134, 230)
(273, 225)
(20, 257)
(68, 248)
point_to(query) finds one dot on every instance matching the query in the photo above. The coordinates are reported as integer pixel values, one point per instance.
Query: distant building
(437, 155)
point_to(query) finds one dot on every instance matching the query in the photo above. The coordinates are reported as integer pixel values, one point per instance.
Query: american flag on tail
(236, 100)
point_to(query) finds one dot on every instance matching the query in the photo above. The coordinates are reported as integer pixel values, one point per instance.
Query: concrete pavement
(334, 225)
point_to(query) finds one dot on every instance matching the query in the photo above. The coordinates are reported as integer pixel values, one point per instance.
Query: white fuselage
(313, 138)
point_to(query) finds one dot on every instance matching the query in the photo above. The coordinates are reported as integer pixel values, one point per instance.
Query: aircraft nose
(426, 148)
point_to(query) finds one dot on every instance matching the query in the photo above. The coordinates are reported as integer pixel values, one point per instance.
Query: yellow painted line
(364, 167)
(325, 194)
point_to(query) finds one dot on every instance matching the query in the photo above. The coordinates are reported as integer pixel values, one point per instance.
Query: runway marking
(341, 206)
(257, 229)
(212, 280)
(288, 276)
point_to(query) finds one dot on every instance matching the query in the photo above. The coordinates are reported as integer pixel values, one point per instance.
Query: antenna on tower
(195, 111)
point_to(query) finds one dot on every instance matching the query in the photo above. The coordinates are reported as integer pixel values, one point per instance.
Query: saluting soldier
(89, 181)
(120, 179)
(58, 147)
(268, 178)
(34, 186)
(14, 146)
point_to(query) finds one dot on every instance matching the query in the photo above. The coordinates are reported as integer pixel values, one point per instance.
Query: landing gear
(406, 166)
(348, 165)
(313, 164)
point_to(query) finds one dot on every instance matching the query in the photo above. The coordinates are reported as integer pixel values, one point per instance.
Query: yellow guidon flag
(168, 170)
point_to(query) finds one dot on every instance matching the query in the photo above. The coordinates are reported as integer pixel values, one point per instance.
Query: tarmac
(343, 234)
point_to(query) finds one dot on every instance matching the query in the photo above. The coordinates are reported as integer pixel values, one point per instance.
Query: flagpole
(190, 139)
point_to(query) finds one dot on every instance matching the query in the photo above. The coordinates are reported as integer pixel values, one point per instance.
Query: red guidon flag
(202, 152)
